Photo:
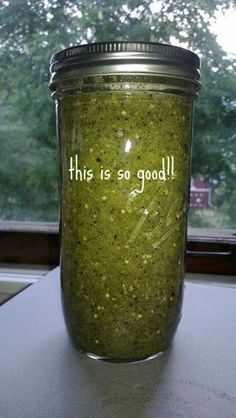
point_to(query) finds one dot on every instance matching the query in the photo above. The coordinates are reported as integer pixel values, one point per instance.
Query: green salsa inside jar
(125, 164)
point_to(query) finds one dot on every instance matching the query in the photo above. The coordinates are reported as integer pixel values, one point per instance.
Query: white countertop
(43, 376)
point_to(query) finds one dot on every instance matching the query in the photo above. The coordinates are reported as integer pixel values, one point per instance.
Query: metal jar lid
(109, 58)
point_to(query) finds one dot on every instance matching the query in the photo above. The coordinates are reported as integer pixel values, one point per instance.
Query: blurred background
(31, 31)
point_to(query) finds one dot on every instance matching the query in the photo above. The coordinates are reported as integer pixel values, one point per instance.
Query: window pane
(32, 31)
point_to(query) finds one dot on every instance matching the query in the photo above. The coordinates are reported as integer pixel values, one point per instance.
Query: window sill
(208, 251)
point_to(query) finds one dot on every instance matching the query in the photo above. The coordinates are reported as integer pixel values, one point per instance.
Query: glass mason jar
(124, 118)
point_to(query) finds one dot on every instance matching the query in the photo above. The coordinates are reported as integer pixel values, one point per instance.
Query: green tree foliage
(31, 31)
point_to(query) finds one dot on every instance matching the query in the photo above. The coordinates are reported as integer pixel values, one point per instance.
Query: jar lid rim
(161, 50)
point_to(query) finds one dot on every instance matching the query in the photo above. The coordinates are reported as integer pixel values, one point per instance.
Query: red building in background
(200, 194)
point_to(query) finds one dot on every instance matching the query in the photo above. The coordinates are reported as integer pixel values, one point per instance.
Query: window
(32, 31)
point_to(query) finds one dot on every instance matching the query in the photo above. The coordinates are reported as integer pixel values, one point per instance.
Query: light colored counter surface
(42, 376)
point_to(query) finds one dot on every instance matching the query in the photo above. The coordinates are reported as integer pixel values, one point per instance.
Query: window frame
(207, 251)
